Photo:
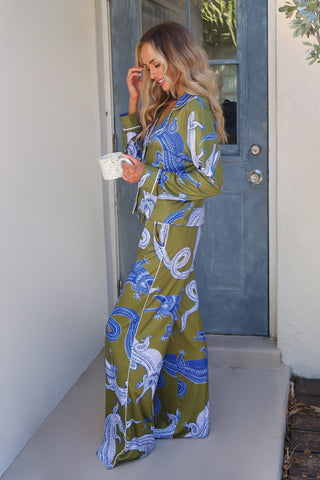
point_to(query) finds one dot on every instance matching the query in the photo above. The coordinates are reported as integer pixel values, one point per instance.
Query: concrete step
(243, 351)
(247, 426)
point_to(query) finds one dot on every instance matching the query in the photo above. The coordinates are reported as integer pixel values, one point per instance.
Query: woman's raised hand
(134, 84)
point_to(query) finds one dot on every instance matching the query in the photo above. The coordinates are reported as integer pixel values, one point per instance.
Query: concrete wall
(53, 277)
(298, 200)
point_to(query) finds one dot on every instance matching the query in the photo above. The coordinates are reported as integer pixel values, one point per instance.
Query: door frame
(106, 111)
(109, 192)
(273, 161)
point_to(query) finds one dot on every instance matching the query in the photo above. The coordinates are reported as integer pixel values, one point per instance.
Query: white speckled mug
(111, 165)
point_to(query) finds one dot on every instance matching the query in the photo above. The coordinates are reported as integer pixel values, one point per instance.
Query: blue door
(232, 260)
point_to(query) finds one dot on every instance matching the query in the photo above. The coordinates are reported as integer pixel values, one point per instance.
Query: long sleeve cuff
(130, 122)
(149, 179)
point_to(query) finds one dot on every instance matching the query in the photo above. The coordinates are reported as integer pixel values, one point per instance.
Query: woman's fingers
(132, 159)
(134, 74)
(132, 173)
(134, 78)
(133, 71)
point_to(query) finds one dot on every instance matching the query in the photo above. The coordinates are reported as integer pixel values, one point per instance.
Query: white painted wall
(53, 269)
(298, 200)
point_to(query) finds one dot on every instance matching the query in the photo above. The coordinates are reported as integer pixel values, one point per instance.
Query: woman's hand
(134, 84)
(132, 173)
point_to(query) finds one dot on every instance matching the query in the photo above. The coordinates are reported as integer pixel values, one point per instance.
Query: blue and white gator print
(182, 163)
(113, 425)
(200, 428)
(156, 353)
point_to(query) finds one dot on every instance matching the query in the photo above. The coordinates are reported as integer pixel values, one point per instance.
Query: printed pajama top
(182, 163)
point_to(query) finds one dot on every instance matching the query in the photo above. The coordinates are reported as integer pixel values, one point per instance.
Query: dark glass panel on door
(227, 93)
(158, 11)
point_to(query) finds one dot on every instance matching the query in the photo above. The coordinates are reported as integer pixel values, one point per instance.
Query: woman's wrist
(133, 105)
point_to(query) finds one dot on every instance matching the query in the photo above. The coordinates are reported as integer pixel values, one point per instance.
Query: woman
(156, 352)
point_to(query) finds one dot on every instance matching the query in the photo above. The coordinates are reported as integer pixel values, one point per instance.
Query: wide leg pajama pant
(156, 352)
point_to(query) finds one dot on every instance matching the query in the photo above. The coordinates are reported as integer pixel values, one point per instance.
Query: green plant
(306, 22)
(221, 15)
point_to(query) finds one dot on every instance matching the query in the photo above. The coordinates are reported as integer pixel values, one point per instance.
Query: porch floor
(248, 393)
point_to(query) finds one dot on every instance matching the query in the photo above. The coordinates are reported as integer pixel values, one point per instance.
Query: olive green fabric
(179, 154)
(156, 354)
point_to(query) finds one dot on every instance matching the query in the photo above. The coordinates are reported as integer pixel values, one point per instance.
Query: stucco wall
(298, 200)
(53, 278)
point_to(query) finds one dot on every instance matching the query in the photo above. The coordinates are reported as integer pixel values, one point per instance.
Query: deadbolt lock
(255, 150)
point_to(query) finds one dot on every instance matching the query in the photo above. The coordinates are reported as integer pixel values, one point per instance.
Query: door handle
(255, 177)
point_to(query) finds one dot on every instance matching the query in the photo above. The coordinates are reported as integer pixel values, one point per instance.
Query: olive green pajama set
(156, 353)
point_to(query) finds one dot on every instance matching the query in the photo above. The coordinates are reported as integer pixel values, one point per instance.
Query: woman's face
(156, 69)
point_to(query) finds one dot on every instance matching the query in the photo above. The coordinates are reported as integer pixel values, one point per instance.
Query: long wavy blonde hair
(175, 48)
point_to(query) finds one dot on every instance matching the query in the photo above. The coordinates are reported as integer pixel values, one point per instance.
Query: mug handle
(125, 159)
